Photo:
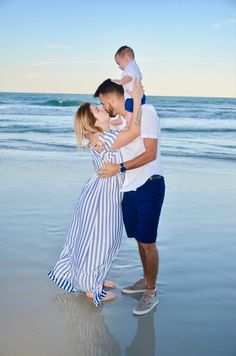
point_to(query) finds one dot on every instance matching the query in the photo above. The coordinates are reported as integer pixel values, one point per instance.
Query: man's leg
(130, 222)
(146, 205)
(143, 260)
(150, 197)
(150, 260)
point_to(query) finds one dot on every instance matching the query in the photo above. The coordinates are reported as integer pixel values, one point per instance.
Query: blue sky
(183, 47)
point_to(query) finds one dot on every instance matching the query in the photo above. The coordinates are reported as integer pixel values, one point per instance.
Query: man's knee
(148, 247)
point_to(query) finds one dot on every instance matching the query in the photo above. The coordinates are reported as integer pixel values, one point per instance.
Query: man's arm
(149, 155)
(125, 137)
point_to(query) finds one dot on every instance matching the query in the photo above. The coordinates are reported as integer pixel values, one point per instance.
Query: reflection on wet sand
(90, 334)
(144, 342)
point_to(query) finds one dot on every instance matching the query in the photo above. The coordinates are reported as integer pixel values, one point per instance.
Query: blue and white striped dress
(95, 233)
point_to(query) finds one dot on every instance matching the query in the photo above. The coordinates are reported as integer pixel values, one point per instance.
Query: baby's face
(121, 61)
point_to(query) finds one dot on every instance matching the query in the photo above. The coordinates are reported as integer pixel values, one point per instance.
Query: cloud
(30, 76)
(48, 63)
(152, 59)
(223, 23)
(57, 46)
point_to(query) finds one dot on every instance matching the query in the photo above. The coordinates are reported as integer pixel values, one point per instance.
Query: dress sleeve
(109, 138)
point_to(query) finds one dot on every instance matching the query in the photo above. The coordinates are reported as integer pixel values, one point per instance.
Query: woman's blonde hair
(84, 123)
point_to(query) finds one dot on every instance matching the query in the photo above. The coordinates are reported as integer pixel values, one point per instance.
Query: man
(143, 188)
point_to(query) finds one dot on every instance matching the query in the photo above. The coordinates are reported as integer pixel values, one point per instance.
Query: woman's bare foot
(109, 284)
(108, 297)
(89, 295)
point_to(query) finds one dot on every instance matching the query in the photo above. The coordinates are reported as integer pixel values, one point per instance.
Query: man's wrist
(122, 168)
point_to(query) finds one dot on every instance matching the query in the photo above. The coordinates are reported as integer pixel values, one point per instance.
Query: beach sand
(196, 285)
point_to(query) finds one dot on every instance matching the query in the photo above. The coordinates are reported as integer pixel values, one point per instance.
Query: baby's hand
(117, 121)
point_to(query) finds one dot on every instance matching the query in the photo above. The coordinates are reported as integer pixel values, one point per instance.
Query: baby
(124, 57)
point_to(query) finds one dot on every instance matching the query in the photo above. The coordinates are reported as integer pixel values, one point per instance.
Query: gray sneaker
(146, 304)
(138, 287)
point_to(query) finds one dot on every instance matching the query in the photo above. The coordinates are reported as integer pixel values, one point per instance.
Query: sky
(183, 47)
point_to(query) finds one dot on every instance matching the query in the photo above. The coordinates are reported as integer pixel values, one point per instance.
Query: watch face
(123, 169)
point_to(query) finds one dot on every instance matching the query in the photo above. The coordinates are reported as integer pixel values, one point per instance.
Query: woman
(95, 234)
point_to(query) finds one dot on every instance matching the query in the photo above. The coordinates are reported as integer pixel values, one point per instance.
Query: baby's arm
(123, 81)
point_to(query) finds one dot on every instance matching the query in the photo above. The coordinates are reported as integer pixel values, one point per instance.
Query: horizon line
(69, 93)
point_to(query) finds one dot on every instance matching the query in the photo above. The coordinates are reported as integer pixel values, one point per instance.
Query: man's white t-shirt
(150, 128)
(132, 70)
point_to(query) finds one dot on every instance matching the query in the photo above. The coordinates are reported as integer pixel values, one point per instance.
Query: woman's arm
(125, 137)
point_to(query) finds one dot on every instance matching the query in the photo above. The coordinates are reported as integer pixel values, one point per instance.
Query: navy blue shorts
(129, 103)
(142, 209)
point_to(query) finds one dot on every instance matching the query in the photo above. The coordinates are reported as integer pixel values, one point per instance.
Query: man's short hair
(125, 50)
(108, 87)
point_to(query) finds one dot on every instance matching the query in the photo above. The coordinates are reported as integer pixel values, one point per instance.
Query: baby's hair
(125, 50)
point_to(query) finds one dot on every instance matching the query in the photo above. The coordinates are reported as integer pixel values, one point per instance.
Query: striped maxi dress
(95, 233)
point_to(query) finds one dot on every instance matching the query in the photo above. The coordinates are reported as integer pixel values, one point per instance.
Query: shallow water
(196, 286)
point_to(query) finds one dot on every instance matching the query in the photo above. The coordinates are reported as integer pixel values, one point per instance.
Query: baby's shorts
(129, 103)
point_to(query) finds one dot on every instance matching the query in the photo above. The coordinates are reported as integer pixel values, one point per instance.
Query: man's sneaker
(138, 287)
(148, 301)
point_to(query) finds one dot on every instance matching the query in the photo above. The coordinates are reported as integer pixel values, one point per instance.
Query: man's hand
(95, 142)
(138, 91)
(108, 170)
(117, 81)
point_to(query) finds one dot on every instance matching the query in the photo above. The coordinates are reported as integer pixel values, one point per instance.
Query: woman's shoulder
(108, 137)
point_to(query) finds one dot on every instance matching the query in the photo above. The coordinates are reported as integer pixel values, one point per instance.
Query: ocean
(42, 124)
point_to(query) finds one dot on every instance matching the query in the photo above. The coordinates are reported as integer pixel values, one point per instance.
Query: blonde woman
(95, 233)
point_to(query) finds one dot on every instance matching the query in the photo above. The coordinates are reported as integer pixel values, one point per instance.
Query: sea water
(42, 125)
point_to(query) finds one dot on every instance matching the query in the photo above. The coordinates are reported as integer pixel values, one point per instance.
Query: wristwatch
(122, 168)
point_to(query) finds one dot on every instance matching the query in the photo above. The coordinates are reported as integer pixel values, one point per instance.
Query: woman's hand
(95, 142)
(138, 91)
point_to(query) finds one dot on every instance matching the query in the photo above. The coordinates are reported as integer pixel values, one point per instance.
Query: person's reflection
(89, 330)
(144, 342)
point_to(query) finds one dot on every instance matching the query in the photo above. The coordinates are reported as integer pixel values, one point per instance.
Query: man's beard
(111, 111)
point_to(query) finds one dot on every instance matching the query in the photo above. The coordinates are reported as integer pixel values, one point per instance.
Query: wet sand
(196, 285)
